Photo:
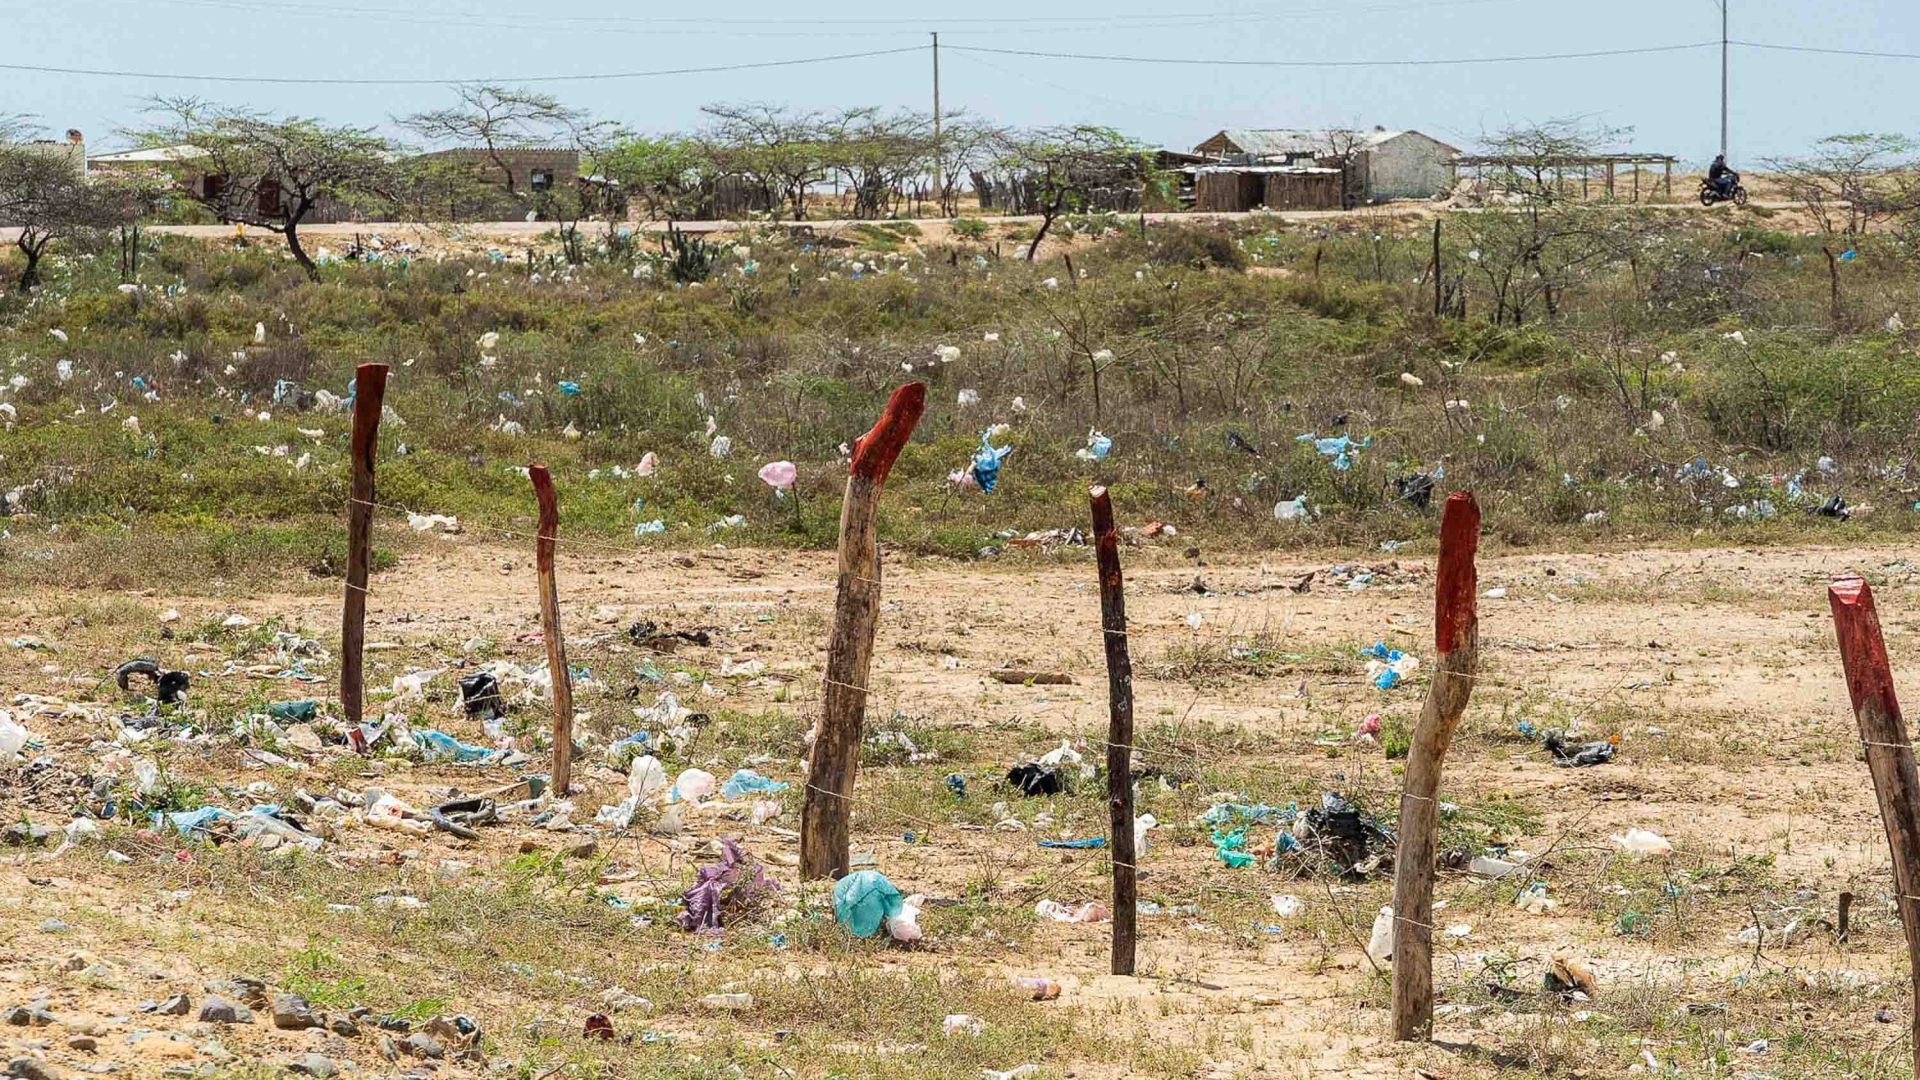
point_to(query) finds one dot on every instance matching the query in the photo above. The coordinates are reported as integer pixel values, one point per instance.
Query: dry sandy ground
(1714, 667)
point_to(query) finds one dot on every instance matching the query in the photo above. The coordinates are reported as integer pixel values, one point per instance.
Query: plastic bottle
(1041, 989)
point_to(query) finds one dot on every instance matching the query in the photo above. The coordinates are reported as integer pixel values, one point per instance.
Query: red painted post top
(1457, 581)
(874, 452)
(1863, 651)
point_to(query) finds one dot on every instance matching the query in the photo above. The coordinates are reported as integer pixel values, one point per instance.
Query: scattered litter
(733, 886)
(1033, 778)
(1387, 666)
(1643, 842)
(169, 686)
(865, 901)
(1097, 448)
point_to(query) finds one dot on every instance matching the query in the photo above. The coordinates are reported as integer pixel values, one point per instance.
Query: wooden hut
(1234, 188)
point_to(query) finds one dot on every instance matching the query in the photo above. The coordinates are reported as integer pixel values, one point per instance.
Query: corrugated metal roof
(158, 155)
(1286, 142)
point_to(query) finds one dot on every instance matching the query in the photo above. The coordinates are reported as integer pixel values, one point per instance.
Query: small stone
(25, 835)
(248, 989)
(585, 849)
(292, 1013)
(29, 1016)
(77, 962)
(344, 1027)
(387, 1048)
(218, 1010)
(83, 1042)
(316, 1065)
(396, 1023)
(26, 1068)
(54, 926)
(177, 1005)
(422, 1045)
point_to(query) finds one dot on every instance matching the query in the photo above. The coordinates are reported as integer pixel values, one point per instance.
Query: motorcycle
(1709, 194)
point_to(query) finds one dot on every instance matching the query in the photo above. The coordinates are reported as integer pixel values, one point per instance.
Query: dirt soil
(1715, 669)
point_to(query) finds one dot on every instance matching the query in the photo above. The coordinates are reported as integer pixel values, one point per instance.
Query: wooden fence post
(1456, 632)
(1113, 627)
(824, 815)
(1863, 652)
(369, 390)
(1436, 267)
(545, 537)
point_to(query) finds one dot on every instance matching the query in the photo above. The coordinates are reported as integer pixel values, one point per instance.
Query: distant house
(1381, 164)
(73, 149)
(158, 158)
(248, 201)
(532, 169)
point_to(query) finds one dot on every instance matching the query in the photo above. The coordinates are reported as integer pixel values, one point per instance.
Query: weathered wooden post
(1863, 652)
(824, 835)
(1113, 627)
(545, 537)
(1436, 267)
(1456, 633)
(369, 391)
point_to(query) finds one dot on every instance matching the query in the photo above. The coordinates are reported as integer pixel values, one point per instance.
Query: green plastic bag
(864, 900)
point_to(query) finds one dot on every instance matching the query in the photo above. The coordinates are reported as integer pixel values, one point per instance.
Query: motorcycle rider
(1721, 177)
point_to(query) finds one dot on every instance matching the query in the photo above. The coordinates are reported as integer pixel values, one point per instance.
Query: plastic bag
(692, 786)
(986, 462)
(1097, 448)
(1380, 945)
(864, 901)
(746, 782)
(646, 777)
(388, 812)
(439, 746)
(13, 738)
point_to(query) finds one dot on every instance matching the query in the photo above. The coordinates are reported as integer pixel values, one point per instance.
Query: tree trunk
(293, 245)
(30, 274)
(1047, 214)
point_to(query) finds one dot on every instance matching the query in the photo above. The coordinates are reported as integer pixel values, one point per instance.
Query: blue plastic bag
(1097, 448)
(864, 900)
(440, 746)
(986, 462)
(746, 782)
(1339, 448)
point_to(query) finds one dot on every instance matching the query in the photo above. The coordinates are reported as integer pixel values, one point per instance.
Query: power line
(1149, 20)
(476, 20)
(1826, 52)
(1451, 61)
(517, 79)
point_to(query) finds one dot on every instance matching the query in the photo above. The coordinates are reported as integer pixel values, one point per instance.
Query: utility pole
(1723, 79)
(938, 187)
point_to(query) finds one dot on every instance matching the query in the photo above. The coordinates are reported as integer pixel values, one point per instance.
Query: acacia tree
(1850, 182)
(664, 175)
(776, 148)
(1071, 169)
(1541, 238)
(495, 119)
(270, 173)
(877, 154)
(964, 145)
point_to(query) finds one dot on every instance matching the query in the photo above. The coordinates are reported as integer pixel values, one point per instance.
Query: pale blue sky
(1782, 100)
